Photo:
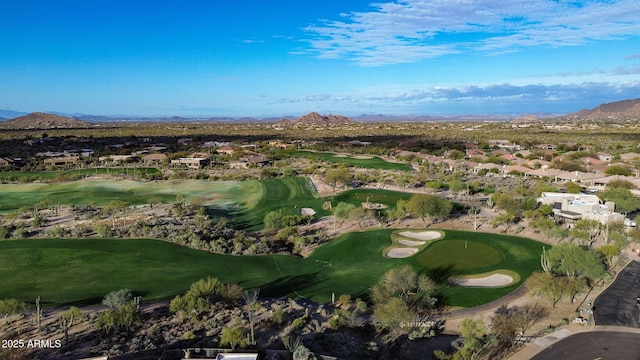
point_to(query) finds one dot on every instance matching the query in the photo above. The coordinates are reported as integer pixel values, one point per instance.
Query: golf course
(82, 271)
(361, 161)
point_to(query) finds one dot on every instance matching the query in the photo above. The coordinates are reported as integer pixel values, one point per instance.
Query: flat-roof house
(581, 206)
(154, 158)
(191, 163)
(61, 161)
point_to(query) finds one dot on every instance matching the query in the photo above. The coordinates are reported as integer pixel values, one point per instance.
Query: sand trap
(493, 280)
(421, 235)
(412, 243)
(307, 211)
(398, 253)
(340, 155)
(362, 157)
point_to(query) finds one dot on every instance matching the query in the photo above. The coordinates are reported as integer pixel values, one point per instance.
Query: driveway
(594, 345)
(616, 306)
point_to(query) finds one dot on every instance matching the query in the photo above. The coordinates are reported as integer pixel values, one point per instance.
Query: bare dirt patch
(400, 253)
(493, 280)
(422, 235)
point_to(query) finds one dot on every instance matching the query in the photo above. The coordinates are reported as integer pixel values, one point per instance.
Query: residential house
(573, 207)
(605, 157)
(514, 169)
(61, 161)
(227, 150)
(5, 162)
(118, 158)
(577, 176)
(191, 163)
(486, 166)
(154, 159)
(594, 165)
(544, 173)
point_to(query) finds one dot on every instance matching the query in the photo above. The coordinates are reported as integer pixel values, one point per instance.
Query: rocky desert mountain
(619, 110)
(40, 120)
(314, 118)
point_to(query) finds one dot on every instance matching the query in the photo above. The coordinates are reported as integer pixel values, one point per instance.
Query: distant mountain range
(39, 120)
(626, 109)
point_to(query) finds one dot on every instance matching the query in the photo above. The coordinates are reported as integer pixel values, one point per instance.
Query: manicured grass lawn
(100, 192)
(49, 175)
(82, 271)
(284, 195)
(244, 203)
(453, 254)
(373, 163)
(489, 252)
(358, 196)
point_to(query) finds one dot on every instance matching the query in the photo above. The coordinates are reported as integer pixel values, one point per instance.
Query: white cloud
(412, 30)
(495, 97)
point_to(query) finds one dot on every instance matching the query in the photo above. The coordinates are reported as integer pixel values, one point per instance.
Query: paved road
(601, 345)
(617, 304)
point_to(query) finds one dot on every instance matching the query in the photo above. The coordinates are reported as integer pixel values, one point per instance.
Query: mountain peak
(39, 120)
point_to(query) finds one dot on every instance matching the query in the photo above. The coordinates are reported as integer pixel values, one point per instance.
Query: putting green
(459, 255)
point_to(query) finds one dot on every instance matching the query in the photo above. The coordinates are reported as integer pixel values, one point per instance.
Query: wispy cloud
(531, 97)
(412, 30)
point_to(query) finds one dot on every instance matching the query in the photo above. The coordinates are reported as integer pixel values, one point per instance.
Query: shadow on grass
(292, 286)
(441, 274)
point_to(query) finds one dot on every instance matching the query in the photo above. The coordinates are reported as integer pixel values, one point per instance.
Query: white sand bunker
(421, 235)
(340, 155)
(493, 280)
(399, 253)
(307, 211)
(363, 157)
(412, 243)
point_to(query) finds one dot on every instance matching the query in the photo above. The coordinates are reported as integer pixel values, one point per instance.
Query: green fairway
(358, 196)
(100, 192)
(284, 195)
(244, 203)
(82, 271)
(484, 253)
(367, 162)
(50, 175)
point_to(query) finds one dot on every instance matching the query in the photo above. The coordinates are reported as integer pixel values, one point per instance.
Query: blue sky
(274, 58)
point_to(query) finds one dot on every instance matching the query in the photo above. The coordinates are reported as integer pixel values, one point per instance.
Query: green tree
(617, 170)
(546, 285)
(113, 208)
(574, 261)
(573, 188)
(335, 177)
(343, 210)
(400, 296)
(117, 298)
(234, 336)
(273, 220)
(11, 307)
(457, 186)
(429, 206)
(608, 252)
(623, 198)
(586, 230)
